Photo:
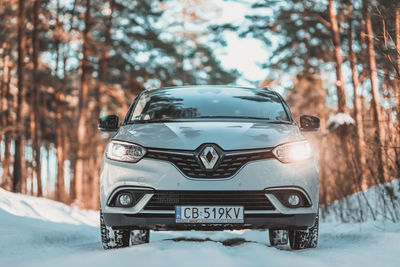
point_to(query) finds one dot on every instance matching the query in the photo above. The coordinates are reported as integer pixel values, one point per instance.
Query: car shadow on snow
(230, 242)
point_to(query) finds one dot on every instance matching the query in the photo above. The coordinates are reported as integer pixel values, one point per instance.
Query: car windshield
(195, 103)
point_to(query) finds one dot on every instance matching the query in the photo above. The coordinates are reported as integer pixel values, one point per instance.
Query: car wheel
(113, 238)
(301, 239)
(278, 237)
(140, 237)
(121, 238)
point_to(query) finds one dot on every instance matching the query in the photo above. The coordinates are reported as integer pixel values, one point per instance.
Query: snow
(380, 202)
(41, 232)
(44, 209)
(335, 120)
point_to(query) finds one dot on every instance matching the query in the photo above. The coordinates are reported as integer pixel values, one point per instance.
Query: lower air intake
(250, 200)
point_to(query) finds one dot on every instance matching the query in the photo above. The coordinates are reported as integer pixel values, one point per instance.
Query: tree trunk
(397, 83)
(34, 116)
(59, 122)
(6, 122)
(19, 161)
(60, 185)
(83, 99)
(397, 87)
(105, 55)
(3, 97)
(340, 82)
(397, 77)
(72, 191)
(6, 161)
(382, 171)
(360, 146)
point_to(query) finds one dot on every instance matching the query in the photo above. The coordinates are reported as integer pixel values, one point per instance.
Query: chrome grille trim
(228, 165)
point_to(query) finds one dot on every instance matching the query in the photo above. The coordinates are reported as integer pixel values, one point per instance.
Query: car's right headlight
(124, 151)
(293, 152)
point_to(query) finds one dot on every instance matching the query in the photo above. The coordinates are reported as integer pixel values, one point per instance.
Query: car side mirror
(108, 123)
(309, 123)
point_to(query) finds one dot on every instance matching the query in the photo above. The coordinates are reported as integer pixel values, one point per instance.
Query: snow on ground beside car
(381, 202)
(34, 228)
(44, 209)
(41, 232)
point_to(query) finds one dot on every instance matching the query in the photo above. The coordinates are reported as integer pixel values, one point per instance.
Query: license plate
(209, 214)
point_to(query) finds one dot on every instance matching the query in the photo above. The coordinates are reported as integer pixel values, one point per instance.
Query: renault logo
(209, 157)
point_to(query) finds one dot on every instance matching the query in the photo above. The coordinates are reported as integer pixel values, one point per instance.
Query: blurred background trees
(65, 63)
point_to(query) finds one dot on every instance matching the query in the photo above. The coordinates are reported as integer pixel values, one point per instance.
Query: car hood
(190, 135)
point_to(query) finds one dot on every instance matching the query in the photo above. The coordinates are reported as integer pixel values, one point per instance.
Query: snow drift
(379, 203)
(41, 232)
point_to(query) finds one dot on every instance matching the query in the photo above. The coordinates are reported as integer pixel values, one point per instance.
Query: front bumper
(157, 175)
(167, 222)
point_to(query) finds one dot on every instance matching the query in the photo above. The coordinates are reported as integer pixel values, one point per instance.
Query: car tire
(113, 238)
(121, 238)
(278, 237)
(301, 239)
(140, 237)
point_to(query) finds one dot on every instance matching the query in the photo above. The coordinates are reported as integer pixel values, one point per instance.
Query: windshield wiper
(150, 121)
(229, 117)
(279, 122)
(243, 117)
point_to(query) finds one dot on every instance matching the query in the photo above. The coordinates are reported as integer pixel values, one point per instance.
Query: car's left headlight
(124, 151)
(293, 152)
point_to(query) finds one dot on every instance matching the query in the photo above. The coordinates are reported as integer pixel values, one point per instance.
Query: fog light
(125, 199)
(294, 199)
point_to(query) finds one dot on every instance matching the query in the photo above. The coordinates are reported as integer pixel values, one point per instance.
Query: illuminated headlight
(293, 152)
(123, 151)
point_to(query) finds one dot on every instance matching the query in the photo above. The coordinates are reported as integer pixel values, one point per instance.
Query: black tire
(276, 240)
(301, 239)
(113, 238)
(140, 237)
(121, 238)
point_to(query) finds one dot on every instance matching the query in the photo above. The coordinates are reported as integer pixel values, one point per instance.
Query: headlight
(123, 151)
(293, 152)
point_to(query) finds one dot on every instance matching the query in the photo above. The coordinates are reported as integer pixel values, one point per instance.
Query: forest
(63, 64)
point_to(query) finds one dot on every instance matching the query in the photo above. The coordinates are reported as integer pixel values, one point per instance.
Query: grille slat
(251, 200)
(189, 165)
(213, 199)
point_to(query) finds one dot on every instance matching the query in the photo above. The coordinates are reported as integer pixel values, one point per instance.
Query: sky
(243, 54)
(248, 54)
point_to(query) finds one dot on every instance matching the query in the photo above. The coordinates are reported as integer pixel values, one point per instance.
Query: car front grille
(250, 200)
(189, 164)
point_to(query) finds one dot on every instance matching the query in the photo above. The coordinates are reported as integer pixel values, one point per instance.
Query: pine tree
(19, 181)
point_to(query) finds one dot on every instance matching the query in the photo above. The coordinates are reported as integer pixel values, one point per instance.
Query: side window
(140, 104)
(289, 114)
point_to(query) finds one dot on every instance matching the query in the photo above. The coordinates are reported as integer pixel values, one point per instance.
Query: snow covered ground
(381, 202)
(41, 232)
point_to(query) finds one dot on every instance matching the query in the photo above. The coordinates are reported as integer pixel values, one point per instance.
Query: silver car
(209, 158)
